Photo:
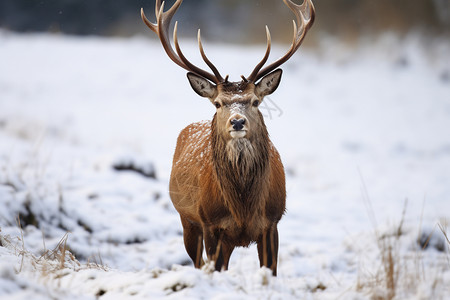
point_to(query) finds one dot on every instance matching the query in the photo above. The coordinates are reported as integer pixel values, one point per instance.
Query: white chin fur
(238, 134)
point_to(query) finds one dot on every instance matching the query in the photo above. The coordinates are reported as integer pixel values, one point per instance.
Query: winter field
(363, 131)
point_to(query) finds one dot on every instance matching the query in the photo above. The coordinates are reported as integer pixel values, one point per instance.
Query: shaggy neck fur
(241, 167)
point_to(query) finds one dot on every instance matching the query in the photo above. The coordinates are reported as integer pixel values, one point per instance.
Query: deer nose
(238, 124)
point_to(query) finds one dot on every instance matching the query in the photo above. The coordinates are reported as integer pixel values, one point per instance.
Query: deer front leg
(216, 249)
(226, 250)
(268, 248)
(193, 241)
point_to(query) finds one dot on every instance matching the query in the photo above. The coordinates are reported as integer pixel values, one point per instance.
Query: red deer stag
(227, 180)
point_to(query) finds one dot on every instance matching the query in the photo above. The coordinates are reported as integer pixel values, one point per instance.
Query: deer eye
(255, 103)
(217, 104)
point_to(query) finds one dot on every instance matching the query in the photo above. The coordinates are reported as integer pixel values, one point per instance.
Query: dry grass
(382, 284)
(443, 227)
(52, 263)
(403, 267)
(400, 272)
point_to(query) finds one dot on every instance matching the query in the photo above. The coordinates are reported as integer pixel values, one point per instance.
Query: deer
(227, 181)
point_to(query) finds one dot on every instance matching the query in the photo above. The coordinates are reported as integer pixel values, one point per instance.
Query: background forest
(228, 20)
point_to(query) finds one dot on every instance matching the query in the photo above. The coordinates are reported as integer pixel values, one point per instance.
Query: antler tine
(161, 28)
(207, 61)
(192, 67)
(165, 17)
(304, 14)
(157, 8)
(258, 67)
(149, 24)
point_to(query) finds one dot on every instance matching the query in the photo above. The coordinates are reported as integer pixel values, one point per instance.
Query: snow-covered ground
(363, 132)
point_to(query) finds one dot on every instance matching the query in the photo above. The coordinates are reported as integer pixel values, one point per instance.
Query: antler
(161, 28)
(305, 17)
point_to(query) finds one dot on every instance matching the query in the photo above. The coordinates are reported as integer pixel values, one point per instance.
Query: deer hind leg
(217, 250)
(268, 249)
(193, 241)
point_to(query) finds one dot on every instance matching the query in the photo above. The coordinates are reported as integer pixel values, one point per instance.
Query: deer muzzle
(238, 126)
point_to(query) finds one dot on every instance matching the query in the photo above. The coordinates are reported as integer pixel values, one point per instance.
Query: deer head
(237, 114)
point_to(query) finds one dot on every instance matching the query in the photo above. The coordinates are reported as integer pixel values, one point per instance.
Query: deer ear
(269, 83)
(201, 85)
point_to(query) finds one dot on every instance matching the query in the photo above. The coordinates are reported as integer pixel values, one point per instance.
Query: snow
(237, 108)
(361, 130)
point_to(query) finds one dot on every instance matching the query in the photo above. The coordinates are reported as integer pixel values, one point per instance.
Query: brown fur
(228, 192)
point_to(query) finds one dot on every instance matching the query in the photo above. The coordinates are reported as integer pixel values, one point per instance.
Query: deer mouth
(238, 133)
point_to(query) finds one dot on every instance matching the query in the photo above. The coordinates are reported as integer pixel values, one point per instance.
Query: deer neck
(241, 167)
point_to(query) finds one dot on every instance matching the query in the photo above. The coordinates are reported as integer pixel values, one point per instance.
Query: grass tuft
(401, 272)
(52, 263)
